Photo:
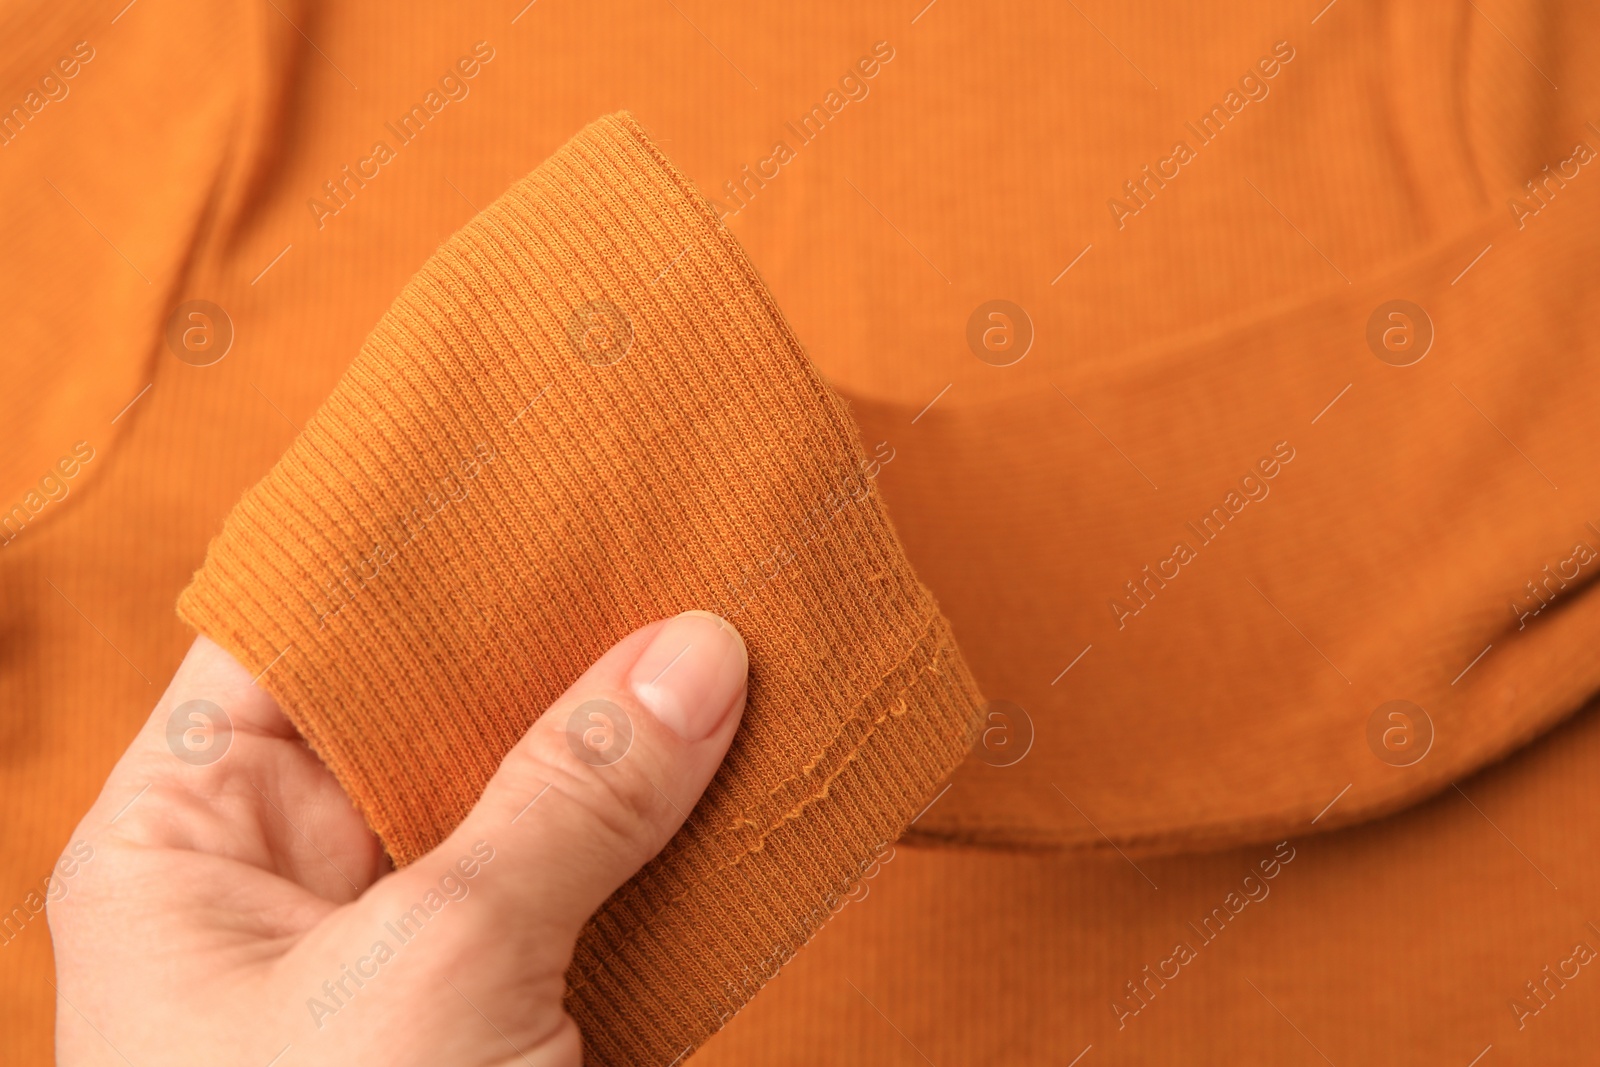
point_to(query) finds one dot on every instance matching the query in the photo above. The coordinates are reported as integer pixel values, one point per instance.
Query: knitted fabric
(582, 414)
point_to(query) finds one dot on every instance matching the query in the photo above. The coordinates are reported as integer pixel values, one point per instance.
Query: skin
(220, 898)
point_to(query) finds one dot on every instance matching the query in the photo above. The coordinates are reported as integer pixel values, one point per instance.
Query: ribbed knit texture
(582, 414)
(1172, 349)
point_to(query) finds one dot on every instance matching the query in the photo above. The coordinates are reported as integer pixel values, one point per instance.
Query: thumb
(603, 779)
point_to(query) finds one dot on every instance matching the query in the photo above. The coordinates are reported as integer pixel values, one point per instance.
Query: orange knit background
(1199, 219)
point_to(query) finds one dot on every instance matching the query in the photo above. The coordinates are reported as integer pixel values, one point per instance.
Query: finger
(598, 784)
(191, 737)
(218, 768)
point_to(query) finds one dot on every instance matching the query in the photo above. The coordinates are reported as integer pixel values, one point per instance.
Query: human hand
(237, 910)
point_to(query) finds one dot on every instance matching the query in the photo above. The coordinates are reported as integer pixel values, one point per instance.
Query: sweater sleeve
(583, 413)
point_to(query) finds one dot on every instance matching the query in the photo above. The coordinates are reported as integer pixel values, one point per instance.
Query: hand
(226, 904)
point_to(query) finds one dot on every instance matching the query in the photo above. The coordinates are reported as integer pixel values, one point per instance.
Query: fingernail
(692, 674)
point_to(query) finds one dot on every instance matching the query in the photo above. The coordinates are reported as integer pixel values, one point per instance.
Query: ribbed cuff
(582, 414)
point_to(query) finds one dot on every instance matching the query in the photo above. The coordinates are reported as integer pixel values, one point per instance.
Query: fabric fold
(583, 413)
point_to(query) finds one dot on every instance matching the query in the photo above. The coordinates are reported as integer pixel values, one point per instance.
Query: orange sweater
(584, 414)
(1224, 374)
